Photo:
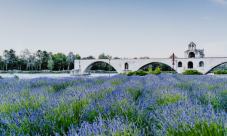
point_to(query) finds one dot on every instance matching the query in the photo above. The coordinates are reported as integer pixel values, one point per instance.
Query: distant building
(192, 52)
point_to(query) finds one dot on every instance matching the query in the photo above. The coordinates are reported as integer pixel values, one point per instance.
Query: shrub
(143, 73)
(192, 72)
(140, 73)
(150, 71)
(130, 73)
(124, 73)
(158, 71)
(15, 76)
(219, 72)
(224, 72)
(56, 72)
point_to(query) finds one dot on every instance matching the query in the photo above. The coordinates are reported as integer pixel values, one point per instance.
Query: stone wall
(136, 64)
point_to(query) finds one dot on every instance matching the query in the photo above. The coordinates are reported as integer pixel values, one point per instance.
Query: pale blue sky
(123, 28)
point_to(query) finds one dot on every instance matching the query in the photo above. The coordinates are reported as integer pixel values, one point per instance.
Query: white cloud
(207, 18)
(221, 1)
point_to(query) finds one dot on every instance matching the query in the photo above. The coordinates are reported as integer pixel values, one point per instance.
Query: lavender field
(162, 105)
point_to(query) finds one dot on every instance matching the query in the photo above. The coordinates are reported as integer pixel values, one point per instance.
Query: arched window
(191, 55)
(190, 65)
(179, 64)
(201, 64)
(126, 65)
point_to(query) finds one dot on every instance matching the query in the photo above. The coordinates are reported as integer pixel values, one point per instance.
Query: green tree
(39, 57)
(78, 56)
(6, 58)
(59, 60)
(20, 62)
(1, 63)
(45, 59)
(12, 58)
(50, 64)
(116, 58)
(31, 62)
(145, 57)
(24, 55)
(70, 59)
(103, 56)
(89, 57)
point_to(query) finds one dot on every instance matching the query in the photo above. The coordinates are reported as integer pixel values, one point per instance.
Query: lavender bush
(152, 105)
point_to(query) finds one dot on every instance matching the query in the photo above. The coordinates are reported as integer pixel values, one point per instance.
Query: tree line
(42, 60)
(38, 60)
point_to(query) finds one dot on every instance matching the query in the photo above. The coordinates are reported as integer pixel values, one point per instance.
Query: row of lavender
(152, 105)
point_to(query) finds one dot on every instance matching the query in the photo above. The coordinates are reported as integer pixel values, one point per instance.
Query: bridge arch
(215, 67)
(155, 62)
(88, 68)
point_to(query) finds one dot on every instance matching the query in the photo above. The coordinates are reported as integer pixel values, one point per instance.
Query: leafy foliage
(89, 57)
(143, 73)
(158, 71)
(192, 72)
(103, 56)
(50, 64)
(70, 59)
(15, 76)
(140, 73)
(78, 56)
(116, 58)
(221, 72)
(59, 60)
(154, 65)
(150, 71)
(39, 60)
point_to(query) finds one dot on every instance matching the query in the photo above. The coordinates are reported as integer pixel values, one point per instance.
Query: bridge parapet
(135, 64)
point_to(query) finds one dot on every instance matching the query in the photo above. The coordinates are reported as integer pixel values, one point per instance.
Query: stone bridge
(203, 65)
(194, 59)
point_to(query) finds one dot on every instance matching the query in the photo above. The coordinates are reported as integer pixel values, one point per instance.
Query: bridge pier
(75, 72)
(126, 71)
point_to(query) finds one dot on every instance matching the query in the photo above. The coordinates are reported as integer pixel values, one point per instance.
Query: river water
(51, 75)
